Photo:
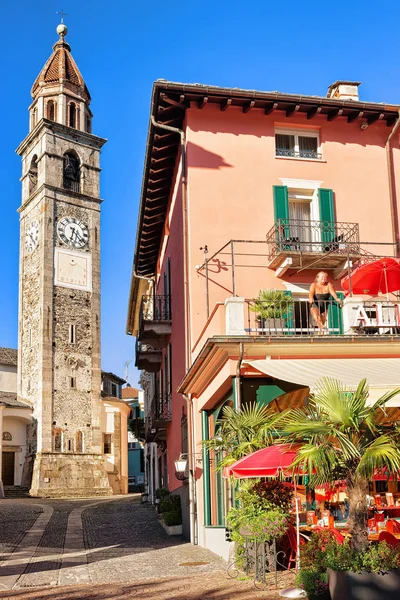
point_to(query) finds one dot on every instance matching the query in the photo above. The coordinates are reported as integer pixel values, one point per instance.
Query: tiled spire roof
(61, 68)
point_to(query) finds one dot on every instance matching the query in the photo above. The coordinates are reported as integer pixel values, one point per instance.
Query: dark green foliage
(274, 493)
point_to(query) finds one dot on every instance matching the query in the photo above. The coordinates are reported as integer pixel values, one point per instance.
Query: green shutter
(335, 318)
(326, 215)
(281, 211)
(289, 315)
(206, 470)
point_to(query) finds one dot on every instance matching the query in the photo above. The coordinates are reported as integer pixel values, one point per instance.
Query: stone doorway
(8, 466)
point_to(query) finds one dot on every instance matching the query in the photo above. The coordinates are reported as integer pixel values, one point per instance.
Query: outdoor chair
(392, 526)
(292, 545)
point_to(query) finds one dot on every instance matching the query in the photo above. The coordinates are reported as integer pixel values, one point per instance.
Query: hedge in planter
(371, 574)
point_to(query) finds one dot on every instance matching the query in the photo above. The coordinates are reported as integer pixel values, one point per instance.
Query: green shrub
(313, 582)
(162, 493)
(323, 552)
(274, 494)
(172, 517)
(170, 503)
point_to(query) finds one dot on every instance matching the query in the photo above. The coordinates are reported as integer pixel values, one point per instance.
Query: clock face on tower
(73, 269)
(32, 236)
(72, 232)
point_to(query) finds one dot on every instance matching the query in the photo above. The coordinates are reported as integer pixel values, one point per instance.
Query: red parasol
(381, 276)
(267, 462)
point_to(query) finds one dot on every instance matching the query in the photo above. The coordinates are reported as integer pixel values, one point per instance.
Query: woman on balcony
(320, 298)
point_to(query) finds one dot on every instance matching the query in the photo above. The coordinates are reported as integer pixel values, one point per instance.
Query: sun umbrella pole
(297, 525)
(386, 283)
(349, 272)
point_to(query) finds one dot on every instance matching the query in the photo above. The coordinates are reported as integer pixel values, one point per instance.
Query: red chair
(335, 532)
(386, 536)
(393, 526)
(292, 537)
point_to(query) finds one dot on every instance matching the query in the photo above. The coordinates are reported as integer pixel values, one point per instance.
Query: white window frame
(314, 133)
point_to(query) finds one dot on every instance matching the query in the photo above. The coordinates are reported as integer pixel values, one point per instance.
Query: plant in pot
(273, 309)
(343, 437)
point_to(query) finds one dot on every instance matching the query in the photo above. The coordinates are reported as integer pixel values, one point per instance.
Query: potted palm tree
(342, 438)
(273, 309)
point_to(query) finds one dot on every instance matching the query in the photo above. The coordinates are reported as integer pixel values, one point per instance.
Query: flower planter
(172, 529)
(364, 585)
(325, 596)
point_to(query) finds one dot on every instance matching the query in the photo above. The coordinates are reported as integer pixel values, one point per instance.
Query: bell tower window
(51, 110)
(71, 175)
(88, 124)
(72, 114)
(33, 175)
(34, 118)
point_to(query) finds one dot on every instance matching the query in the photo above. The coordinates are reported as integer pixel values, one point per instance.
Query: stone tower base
(58, 475)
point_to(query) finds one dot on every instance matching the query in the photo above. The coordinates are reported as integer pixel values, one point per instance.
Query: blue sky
(121, 47)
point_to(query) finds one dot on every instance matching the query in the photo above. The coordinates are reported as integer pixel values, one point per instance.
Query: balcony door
(300, 215)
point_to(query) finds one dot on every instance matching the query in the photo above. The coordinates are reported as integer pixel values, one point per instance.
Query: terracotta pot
(364, 585)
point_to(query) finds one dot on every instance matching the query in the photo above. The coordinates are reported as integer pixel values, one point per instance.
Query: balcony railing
(162, 407)
(294, 317)
(313, 236)
(155, 320)
(148, 357)
(310, 154)
(303, 239)
(155, 308)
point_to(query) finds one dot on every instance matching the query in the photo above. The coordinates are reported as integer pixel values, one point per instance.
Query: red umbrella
(267, 462)
(381, 276)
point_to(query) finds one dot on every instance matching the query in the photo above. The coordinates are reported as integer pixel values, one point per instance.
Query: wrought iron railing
(155, 308)
(141, 347)
(293, 317)
(311, 154)
(293, 235)
(70, 184)
(298, 317)
(162, 406)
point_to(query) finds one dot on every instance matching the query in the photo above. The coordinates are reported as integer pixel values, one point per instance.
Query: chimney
(344, 90)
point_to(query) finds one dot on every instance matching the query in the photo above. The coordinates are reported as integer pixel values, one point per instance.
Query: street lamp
(181, 468)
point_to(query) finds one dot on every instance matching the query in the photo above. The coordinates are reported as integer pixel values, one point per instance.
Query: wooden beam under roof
(201, 103)
(313, 112)
(357, 114)
(269, 108)
(247, 107)
(163, 136)
(177, 121)
(181, 104)
(334, 114)
(391, 120)
(226, 104)
(294, 108)
(376, 117)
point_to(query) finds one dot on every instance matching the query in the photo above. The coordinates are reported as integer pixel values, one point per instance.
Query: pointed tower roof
(61, 68)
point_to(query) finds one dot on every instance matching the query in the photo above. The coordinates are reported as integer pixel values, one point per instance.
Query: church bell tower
(59, 285)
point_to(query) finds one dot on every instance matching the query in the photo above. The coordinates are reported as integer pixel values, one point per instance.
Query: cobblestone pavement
(116, 547)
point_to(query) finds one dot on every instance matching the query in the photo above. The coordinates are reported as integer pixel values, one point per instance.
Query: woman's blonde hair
(320, 273)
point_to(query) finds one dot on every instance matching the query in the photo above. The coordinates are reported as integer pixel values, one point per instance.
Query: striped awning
(382, 374)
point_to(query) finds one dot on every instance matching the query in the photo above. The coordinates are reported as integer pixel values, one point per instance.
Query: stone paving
(105, 548)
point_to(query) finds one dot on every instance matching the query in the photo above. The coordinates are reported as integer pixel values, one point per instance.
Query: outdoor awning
(382, 374)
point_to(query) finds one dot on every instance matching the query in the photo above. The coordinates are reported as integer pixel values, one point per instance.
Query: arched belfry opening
(33, 175)
(72, 172)
(51, 110)
(72, 116)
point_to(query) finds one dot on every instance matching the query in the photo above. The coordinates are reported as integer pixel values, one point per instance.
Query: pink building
(246, 191)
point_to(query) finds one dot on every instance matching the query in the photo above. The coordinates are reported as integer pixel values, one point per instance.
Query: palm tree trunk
(358, 489)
